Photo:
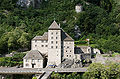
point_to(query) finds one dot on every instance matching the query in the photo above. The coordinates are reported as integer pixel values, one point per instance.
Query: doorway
(33, 65)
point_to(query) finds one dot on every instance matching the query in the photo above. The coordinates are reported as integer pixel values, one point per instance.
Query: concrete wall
(54, 47)
(28, 63)
(68, 49)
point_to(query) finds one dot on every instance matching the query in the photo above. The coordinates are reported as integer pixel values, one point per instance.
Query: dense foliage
(73, 75)
(100, 71)
(12, 61)
(99, 21)
(95, 71)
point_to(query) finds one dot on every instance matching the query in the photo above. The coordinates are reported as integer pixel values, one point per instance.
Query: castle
(55, 45)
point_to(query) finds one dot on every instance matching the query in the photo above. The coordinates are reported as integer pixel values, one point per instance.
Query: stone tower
(54, 44)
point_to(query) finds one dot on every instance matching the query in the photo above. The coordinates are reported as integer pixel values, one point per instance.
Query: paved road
(13, 70)
(43, 73)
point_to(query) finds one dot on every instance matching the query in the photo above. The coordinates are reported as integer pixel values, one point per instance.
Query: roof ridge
(54, 25)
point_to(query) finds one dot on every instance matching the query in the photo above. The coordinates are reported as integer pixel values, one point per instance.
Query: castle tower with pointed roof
(54, 44)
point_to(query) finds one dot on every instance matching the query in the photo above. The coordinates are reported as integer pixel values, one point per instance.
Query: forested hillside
(99, 21)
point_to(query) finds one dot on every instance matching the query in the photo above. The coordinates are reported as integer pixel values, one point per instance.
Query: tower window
(51, 46)
(51, 42)
(56, 42)
(56, 47)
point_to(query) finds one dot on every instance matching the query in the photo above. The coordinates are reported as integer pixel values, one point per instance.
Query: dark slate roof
(44, 37)
(54, 26)
(65, 36)
(81, 49)
(33, 54)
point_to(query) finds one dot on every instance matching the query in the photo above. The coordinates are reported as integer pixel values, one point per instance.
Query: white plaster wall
(37, 45)
(69, 50)
(95, 51)
(54, 54)
(29, 61)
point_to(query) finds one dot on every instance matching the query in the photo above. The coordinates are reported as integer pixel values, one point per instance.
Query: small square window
(27, 64)
(56, 47)
(51, 46)
(66, 50)
(38, 60)
(42, 45)
(35, 40)
(67, 55)
(46, 45)
(51, 42)
(52, 33)
(46, 41)
(70, 50)
(70, 55)
(67, 46)
(42, 41)
(51, 37)
(56, 42)
(56, 37)
(35, 45)
(56, 33)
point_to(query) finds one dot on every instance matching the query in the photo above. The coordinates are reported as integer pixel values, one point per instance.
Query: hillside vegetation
(99, 21)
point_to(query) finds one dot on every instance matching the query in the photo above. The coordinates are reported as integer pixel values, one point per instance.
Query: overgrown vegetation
(95, 71)
(99, 21)
(16, 60)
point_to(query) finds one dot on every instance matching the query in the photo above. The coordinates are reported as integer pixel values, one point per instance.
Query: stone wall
(101, 59)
